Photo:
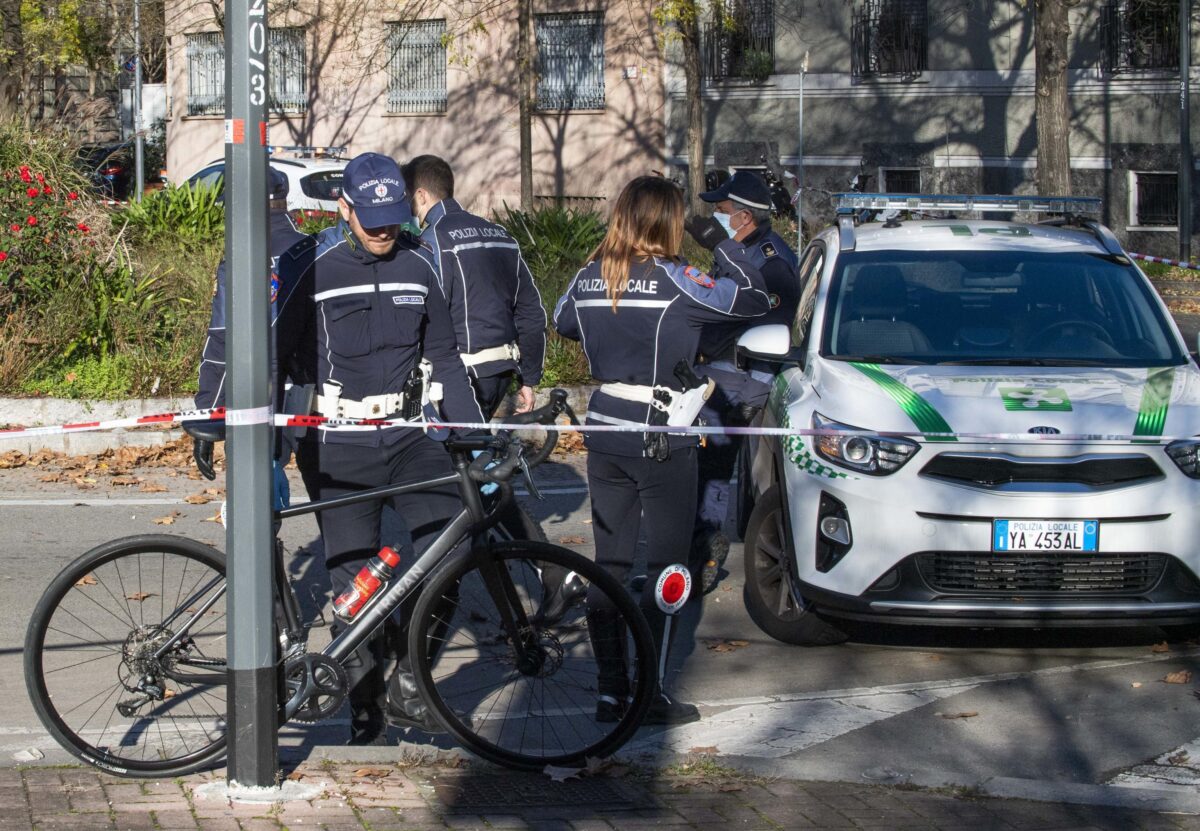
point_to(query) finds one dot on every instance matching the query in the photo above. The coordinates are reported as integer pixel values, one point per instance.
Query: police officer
(211, 391)
(638, 309)
(497, 310)
(742, 208)
(360, 307)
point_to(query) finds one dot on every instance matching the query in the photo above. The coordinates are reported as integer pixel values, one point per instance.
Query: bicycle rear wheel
(91, 666)
(526, 701)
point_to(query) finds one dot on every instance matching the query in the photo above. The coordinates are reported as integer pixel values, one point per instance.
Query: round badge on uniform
(381, 190)
(673, 587)
(773, 301)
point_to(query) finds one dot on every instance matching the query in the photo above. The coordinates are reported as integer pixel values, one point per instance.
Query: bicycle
(125, 651)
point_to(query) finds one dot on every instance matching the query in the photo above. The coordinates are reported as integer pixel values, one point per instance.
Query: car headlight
(876, 455)
(1185, 453)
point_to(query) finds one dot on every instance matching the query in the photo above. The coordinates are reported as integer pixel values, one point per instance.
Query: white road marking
(1180, 766)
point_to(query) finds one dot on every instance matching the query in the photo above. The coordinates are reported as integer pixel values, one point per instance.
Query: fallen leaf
(51, 477)
(573, 540)
(138, 596)
(726, 645)
(295, 776)
(86, 580)
(707, 750)
(1136, 684)
(1182, 676)
(1161, 647)
(169, 519)
(148, 487)
(587, 522)
(214, 491)
(169, 693)
(197, 499)
(557, 774)
(1179, 758)
(968, 714)
(214, 518)
(125, 481)
(375, 773)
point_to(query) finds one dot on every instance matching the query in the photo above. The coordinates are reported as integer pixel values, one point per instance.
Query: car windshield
(326, 184)
(994, 308)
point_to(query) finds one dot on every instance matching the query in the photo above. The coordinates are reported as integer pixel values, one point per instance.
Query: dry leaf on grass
(198, 499)
(1182, 676)
(1161, 647)
(86, 580)
(969, 714)
(726, 645)
(373, 773)
(572, 540)
(138, 596)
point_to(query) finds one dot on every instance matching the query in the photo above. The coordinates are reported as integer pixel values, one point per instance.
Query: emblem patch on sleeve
(699, 277)
(768, 249)
(274, 286)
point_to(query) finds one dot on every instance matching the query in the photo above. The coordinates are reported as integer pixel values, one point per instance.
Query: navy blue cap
(744, 187)
(373, 185)
(277, 184)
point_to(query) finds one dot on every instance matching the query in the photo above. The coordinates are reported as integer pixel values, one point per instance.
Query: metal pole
(253, 695)
(138, 149)
(800, 162)
(1185, 137)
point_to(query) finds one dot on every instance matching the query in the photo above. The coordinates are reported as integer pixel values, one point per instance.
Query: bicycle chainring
(316, 687)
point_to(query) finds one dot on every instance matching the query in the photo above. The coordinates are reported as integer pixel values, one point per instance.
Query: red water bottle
(364, 585)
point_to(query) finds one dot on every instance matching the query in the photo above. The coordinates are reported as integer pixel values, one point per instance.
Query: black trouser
(352, 538)
(631, 495)
(491, 390)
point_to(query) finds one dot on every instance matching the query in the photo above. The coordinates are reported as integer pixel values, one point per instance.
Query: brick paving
(382, 797)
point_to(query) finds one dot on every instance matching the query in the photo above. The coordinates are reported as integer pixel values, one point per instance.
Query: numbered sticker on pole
(674, 586)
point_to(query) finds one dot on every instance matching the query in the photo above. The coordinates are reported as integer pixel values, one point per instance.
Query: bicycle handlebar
(487, 469)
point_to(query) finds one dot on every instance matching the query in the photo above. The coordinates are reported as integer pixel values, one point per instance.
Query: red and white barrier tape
(1164, 261)
(263, 415)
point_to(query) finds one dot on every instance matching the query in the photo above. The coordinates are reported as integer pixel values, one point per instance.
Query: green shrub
(185, 213)
(105, 376)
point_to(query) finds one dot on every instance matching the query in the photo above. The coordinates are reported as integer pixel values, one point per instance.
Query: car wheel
(769, 598)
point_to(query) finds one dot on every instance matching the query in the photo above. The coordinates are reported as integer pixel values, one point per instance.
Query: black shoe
(376, 737)
(665, 711)
(609, 709)
(714, 551)
(405, 707)
(559, 598)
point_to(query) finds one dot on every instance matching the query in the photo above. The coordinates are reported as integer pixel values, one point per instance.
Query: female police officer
(637, 308)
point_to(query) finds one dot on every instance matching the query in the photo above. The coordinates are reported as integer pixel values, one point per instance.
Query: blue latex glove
(487, 488)
(281, 492)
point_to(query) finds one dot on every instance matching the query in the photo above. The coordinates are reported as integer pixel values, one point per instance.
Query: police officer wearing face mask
(742, 206)
(361, 309)
(497, 310)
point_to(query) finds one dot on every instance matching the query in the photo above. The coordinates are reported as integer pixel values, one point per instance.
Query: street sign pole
(253, 695)
(800, 163)
(1185, 130)
(138, 146)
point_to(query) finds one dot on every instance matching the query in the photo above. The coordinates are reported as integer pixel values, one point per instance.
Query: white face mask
(724, 221)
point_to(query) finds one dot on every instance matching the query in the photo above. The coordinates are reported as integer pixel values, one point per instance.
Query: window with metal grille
(1155, 199)
(417, 67)
(206, 72)
(900, 179)
(738, 41)
(1141, 34)
(889, 39)
(570, 56)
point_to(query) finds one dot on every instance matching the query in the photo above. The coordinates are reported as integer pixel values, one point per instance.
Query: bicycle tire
(455, 602)
(109, 593)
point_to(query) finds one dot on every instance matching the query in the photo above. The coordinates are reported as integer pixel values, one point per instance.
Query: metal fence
(417, 67)
(741, 42)
(1140, 34)
(570, 55)
(889, 39)
(206, 72)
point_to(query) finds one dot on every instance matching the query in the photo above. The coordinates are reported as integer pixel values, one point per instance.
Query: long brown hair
(647, 221)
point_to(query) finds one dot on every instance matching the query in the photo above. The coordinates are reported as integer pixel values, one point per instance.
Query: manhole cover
(508, 791)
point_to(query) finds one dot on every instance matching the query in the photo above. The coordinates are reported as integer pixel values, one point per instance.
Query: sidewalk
(344, 796)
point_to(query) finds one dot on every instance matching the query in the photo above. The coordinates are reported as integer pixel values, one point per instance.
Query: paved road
(1081, 712)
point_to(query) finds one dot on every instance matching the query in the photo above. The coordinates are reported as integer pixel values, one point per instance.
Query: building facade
(939, 96)
(428, 76)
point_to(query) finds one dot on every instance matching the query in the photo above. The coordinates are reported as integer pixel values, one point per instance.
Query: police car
(1006, 416)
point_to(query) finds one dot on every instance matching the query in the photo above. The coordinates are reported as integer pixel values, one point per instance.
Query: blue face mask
(723, 219)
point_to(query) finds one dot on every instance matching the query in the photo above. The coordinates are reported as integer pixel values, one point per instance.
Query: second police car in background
(314, 178)
(933, 328)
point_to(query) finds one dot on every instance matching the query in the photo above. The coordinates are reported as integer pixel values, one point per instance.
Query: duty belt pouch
(298, 400)
(657, 446)
(413, 393)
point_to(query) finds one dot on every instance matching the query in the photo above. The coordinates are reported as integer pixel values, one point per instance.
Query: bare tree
(680, 20)
(1053, 113)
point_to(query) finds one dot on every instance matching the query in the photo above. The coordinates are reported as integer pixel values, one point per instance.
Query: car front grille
(992, 471)
(957, 572)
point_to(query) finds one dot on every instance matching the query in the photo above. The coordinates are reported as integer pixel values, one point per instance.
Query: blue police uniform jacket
(658, 322)
(364, 322)
(211, 390)
(781, 276)
(492, 297)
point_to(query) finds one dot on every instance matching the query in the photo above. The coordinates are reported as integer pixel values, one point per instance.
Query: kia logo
(1043, 430)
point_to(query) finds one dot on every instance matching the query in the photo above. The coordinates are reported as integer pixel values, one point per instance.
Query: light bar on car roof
(966, 202)
(305, 150)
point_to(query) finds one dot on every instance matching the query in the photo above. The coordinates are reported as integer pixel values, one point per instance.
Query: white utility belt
(373, 406)
(681, 407)
(506, 352)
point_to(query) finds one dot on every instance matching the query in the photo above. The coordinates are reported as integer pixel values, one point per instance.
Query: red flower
(47, 189)
(72, 195)
(31, 192)
(15, 228)
(3, 256)
(25, 177)
(82, 227)
(32, 220)
(41, 179)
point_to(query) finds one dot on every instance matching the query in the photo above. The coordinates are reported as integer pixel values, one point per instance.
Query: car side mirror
(770, 344)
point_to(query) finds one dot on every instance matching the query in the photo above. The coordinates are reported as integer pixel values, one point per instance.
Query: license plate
(1045, 535)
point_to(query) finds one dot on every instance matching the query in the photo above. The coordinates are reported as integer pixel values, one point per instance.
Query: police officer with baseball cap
(360, 307)
(742, 207)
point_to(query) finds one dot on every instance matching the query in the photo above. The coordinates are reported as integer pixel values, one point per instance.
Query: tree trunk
(1051, 30)
(526, 80)
(690, 36)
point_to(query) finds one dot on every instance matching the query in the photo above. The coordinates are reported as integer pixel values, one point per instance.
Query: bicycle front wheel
(125, 656)
(515, 689)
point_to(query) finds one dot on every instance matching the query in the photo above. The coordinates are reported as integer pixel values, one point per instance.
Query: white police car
(970, 374)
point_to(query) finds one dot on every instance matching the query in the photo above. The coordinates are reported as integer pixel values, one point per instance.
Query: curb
(38, 412)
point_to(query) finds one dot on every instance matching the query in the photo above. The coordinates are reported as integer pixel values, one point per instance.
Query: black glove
(705, 230)
(202, 452)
